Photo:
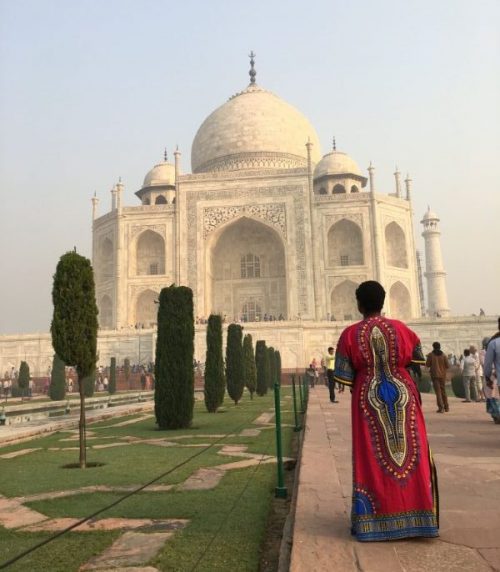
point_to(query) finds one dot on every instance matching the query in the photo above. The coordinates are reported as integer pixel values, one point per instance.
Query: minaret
(408, 182)
(119, 191)
(177, 219)
(437, 297)
(397, 177)
(371, 175)
(95, 206)
(113, 198)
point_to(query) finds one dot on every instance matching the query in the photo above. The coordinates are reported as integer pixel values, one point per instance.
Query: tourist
(394, 479)
(468, 367)
(478, 373)
(330, 366)
(492, 358)
(437, 362)
(310, 371)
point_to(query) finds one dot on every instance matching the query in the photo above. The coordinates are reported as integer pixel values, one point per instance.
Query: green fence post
(280, 491)
(295, 413)
(301, 395)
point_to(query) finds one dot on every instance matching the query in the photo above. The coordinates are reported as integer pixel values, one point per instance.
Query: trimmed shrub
(277, 358)
(57, 387)
(127, 370)
(23, 381)
(424, 383)
(249, 367)
(215, 383)
(174, 373)
(457, 385)
(89, 384)
(272, 367)
(234, 362)
(260, 363)
(112, 376)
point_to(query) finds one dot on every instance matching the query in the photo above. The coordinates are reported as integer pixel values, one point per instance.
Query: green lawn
(234, 512)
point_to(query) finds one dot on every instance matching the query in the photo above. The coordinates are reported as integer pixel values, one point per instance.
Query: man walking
(492, 358)
(437, 362)
(468, 366)
(330, 366)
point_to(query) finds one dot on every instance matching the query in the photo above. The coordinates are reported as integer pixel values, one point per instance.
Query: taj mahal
(267, 230)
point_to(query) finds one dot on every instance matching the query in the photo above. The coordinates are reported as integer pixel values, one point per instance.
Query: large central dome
(255, 129)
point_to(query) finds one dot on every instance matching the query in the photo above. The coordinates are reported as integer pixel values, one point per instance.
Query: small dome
(430, 215)
(161, 175)
(337, 163)
(255, 129)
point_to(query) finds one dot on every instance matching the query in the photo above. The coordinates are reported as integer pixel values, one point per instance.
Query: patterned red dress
(394, 480)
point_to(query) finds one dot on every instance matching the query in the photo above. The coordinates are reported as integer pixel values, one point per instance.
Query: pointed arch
(345, 244)
(400, 301)
(160, 200)
(395, 245)
(105, 313)
(338, 189)
(150, 254)
(246, 270)
(146, 309)
(343, 301)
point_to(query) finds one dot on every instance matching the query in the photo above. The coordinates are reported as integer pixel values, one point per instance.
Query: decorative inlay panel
(266, 211)
(138, 228)
(274, 213)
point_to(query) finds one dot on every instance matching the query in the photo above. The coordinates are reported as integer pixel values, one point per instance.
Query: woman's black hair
(371, 296)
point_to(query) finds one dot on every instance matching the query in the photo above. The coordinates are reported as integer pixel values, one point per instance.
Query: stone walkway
(466, 447)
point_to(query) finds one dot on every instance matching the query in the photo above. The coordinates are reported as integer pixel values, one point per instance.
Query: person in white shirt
(468, 367)
(478, 373)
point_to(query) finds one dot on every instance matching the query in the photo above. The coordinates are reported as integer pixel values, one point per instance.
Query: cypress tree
(260, 362)
(277, 358)
(272, 367)
(57, 387)
(174, 374)
(215, 384)
(112, 377)
(89, 384)
(234, 362)
(74, 324)
(249, 366)
(127, 371)
(23, 381)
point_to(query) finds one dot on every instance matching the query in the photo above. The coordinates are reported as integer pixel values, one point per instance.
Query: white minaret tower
(437, 296)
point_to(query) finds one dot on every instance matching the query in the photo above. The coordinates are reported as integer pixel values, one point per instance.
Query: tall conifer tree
(250, 370)
(215, 383)
(174, 372)
(112, 377)
(23, 381)
(57, 387)
(234, 362)
(260, 362)
(272, 367)
(74, 324)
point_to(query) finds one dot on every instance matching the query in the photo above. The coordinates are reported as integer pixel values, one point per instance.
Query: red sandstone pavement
(466, 448)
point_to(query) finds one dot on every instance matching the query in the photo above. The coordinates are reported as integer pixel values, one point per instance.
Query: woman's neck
(367, 315)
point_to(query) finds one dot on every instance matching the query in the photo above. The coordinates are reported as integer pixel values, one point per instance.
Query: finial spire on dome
(252, 71)
(165, 155)
(334, 144)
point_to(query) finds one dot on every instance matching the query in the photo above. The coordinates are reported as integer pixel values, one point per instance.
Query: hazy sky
(94, 90)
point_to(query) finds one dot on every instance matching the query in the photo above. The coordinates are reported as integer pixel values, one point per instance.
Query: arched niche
(322, 191)
(105, 262)
(246, 271)
(395, 245)
(343, 302)
(400, 301)
(150, 254)
(354, 189)
(345, 244)
(105, 313)
(338, 189)
(146, 309)
(160, 200)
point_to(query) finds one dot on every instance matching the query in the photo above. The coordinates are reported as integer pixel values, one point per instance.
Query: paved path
(466, 448)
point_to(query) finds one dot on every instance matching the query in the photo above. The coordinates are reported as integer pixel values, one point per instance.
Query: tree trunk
(82, 425)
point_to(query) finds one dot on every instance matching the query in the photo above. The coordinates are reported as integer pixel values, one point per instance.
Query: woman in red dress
(394, 479)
